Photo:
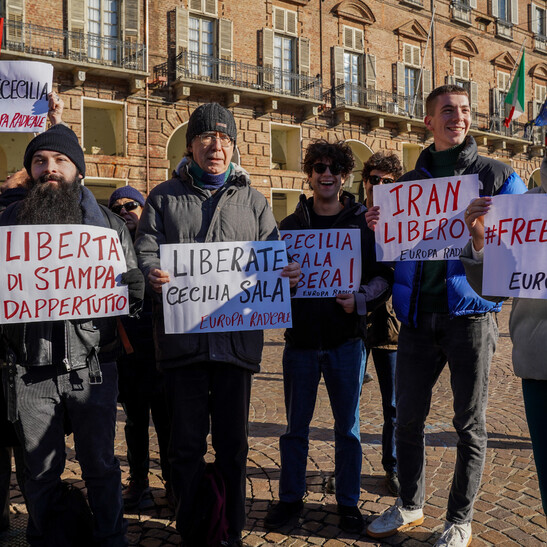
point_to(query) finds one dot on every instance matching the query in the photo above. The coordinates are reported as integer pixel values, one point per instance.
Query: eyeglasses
(375, 179)
(207, 138)
(128, 206)
(320, 168)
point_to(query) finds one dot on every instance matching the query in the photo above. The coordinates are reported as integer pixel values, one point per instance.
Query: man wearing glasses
(208, 376)
(326, 339)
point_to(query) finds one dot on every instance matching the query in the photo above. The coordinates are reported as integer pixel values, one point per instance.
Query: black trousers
(201, 395)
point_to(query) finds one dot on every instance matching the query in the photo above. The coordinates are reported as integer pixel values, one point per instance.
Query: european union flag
(541, 118)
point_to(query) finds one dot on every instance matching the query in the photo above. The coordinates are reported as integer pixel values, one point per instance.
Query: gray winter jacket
(528, 320)
(178, 211)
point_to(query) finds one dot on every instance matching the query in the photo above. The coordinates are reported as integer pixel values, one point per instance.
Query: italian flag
(515, 97)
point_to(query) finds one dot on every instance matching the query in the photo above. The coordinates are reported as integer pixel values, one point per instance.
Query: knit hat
(126, 192)
(210, 117)
(59, 138)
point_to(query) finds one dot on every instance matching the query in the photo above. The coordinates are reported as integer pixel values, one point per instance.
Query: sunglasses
(128, 206)
(375, 179)
(320, 168)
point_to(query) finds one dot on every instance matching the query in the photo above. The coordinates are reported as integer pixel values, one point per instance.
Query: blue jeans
(342, 369)
(535, 403)
(467, 344)
(46, 398)
(385, 361)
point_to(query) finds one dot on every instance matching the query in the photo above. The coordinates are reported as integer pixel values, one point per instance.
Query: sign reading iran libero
(225, 286)
(515, 250)
(330, 261)
(24, 87)
(54, 272)
(423, 219)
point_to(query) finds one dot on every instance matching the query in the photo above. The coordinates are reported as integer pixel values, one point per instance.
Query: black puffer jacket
(321, 323)
(30, 344)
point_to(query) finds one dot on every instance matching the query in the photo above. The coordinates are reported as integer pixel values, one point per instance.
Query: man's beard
(48, 203)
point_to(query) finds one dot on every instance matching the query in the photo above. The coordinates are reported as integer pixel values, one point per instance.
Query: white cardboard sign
(225, 286)
(55, 272)
(330, 261)
(423, 219)
(515, 251)
(24, 87)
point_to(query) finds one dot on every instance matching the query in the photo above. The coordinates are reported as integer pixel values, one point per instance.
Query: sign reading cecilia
(515, 250)
(423, 219)
(60, 272)
(330, 261)
(24, 87)
(225, 286)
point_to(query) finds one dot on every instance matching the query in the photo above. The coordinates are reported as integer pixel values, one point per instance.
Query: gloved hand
(135, 284)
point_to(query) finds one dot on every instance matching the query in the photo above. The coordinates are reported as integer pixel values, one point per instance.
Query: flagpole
(519, 56)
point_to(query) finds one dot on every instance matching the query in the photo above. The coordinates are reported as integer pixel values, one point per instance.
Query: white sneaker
(394, 520)
(455, 535)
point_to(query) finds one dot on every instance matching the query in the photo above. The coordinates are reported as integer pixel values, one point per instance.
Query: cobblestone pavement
(507, 511)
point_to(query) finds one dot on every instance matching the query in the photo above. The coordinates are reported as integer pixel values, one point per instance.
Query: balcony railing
(461, 12)
(190, 66)
(378, 101)
(504, 29)
(73, 46)
(540, 43)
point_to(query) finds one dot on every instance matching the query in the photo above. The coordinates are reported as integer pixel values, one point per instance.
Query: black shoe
(281, 513)
(170, 496)
(134, 492)
(392, 483)
(351, 520)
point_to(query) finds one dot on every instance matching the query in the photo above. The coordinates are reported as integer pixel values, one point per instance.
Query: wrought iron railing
(75, 46)
(540, 43)
(461, 12)
(190, 66)
(504, 29)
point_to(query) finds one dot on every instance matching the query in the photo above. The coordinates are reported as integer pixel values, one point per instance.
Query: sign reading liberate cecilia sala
(55, 272)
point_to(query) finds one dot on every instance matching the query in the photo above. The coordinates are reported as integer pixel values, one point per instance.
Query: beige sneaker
(455, 535)
(395, 519)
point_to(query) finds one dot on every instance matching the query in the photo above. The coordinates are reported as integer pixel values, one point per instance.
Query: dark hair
(385, 162)
(338, 152)
(442, 90)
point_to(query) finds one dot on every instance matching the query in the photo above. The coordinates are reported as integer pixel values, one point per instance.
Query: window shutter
(131, 20)
(370, 71)
(532, 18)
(181, 30)
(348, 38)
(268, 55)
(514, 12)
(338, 65)
(465, 70)
(416, 61)
(195, 5)
(400, 79)
(407, 54)
(279, 19)
(426, 83)
(290, 22)
(359, 40)
(304, 56)
(451, 80)
(14, 13)
(225, 46)
(76, 20)
(210, 7)
(474, 96)
(473, 4)
(494, 8)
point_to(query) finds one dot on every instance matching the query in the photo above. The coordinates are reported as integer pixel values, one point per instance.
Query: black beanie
(58, 138)
(210, 117)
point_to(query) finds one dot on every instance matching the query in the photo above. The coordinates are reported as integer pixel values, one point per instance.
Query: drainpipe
(433, 71)
(147, 128)
(321, 40)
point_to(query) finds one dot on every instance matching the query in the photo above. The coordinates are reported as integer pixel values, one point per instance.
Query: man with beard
(64, 371)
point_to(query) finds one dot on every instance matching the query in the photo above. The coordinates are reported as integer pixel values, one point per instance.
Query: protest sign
(423, 219)
(24, 87)
(515, 250)
(225, 286)
(54, 272)
(330, 261)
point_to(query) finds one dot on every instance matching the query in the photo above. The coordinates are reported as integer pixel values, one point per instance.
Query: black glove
(135, 284)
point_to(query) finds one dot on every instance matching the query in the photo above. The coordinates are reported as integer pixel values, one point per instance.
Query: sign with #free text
(55, 272)
(330, 261)
(515, 246)
(423, 219)
(225, 286)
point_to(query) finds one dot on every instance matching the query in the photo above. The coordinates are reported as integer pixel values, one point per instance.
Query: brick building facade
(131, 72)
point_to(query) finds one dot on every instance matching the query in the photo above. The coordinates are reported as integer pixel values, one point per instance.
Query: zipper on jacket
(66, 360)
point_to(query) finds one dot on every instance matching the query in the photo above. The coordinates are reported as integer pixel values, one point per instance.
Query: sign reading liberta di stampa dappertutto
(24, 88)
(225, 286)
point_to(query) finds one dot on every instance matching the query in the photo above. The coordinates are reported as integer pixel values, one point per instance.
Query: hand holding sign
(474, 219)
